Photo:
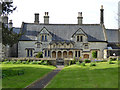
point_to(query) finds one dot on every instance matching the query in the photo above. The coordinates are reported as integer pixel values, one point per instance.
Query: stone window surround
(44, 37)
(79, 38)
(29, 51)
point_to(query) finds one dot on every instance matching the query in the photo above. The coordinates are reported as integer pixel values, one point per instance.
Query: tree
(7, 8)
(8, 36)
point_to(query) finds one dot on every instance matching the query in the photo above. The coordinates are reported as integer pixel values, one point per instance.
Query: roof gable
(79, 32)
(44, 31)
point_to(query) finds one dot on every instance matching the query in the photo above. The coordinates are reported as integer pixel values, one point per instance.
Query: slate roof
(112, 35)
(16, 30)
(63, 32)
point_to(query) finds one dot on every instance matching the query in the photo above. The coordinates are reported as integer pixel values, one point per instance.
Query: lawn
(103, 75)
(32, 72)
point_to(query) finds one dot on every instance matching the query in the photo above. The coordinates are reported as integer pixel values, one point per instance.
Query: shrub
(33, 62)
(70, 62)
(5, 62)
(87, 61)
(44, 63)
(94, 54)
(110, 62)
(23, 62)
(83, 64)
(92, 64)
(39, 55)
(77, 63)
(112, 59)
(13, 62)
(18, 62)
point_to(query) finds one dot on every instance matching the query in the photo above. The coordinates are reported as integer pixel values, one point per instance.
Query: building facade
(66, 40)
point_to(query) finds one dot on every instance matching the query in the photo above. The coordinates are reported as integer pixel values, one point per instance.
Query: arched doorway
(65, 54)
(53, 54)
(70, 54)
(86, 55)
(59, 54)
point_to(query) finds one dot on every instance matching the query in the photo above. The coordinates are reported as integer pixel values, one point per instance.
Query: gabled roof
(44, 31)
(79, 31)
(63, 32)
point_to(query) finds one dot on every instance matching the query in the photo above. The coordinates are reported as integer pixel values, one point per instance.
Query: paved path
(45, 80)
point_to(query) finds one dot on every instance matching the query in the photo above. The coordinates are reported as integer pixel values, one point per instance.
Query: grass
(103, 75)
(31, 73)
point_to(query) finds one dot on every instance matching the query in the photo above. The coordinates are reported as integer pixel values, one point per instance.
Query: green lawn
(103, 75)
(31, 73)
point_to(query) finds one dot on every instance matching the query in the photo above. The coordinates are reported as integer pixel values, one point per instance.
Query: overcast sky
(66, 11)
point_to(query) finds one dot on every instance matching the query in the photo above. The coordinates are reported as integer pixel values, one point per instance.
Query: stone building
(67, 40)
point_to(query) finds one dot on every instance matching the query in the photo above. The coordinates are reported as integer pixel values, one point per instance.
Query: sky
(66, 11)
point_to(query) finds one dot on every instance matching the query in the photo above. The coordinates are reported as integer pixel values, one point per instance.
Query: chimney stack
(10, 24)
(101, 15)
(80, 18)
(36, 18)
(46, 18)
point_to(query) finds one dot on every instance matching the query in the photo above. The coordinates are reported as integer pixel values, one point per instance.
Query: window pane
(48, 53)
(75, 53)
(78, 53)
(31, 53)
(42, 38)
(77, 38)
(45, 37)
(27, 53)
(81, 38)
(45, 53)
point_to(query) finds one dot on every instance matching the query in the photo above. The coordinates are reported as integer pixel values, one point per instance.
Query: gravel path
(45, 80)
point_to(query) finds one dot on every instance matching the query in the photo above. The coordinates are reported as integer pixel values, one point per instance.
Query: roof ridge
(59, 24)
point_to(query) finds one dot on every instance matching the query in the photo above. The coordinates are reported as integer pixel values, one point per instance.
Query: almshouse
(66, 40)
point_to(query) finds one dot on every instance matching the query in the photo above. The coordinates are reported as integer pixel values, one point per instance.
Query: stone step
(60, 66)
